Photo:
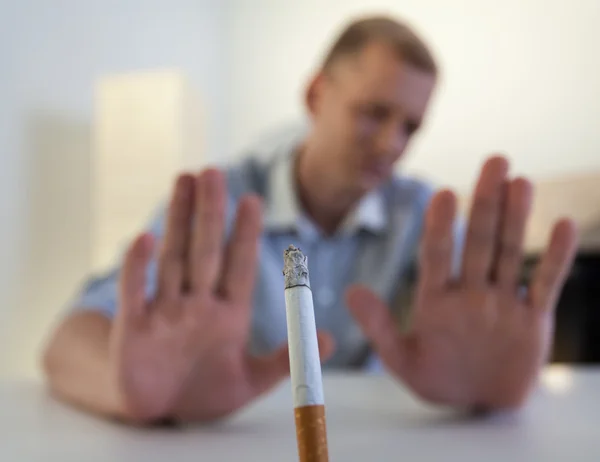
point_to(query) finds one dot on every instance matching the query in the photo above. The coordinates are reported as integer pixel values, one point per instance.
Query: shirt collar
(283, 210)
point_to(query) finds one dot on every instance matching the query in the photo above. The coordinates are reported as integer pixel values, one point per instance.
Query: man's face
(365, 112)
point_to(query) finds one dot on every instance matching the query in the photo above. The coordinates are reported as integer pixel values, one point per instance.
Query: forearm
(76, 365)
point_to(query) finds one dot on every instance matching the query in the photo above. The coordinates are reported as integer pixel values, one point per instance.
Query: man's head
(368, 99)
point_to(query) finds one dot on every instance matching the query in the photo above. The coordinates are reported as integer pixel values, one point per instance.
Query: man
(197, 330)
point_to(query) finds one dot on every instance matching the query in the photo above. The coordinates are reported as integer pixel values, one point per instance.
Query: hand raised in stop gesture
(478, 339)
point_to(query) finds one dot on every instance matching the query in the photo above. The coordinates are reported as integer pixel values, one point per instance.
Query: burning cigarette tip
(295, 268)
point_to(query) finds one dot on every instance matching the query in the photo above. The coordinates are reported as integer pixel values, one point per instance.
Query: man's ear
(313, 93)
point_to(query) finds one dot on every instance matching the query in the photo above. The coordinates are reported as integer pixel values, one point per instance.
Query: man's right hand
(190, 339)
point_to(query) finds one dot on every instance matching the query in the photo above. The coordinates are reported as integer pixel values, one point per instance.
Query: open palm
(478, 339)
(183, 351)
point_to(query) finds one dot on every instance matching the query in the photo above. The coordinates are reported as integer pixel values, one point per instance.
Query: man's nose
(391, 139)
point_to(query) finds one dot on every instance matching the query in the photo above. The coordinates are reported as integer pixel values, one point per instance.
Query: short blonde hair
(409, 47)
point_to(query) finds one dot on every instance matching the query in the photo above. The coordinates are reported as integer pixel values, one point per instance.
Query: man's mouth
(376, 169)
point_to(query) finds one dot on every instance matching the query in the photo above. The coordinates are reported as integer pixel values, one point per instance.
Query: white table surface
(369, 419)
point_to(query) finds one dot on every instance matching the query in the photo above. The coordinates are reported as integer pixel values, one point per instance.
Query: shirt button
(326, 297)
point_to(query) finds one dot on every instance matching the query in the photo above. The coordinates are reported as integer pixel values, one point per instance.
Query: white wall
(11, 213)
(50, 54)
(519, 76)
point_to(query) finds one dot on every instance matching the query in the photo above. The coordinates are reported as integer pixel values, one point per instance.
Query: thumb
(267, 371)
(377, 323)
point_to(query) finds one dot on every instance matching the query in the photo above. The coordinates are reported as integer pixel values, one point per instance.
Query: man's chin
(371, 180)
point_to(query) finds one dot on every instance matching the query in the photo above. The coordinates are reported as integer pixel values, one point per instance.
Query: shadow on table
(356, 419)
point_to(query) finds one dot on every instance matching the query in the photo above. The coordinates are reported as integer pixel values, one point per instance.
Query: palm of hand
(188, 344)
(475, 339)
(475, 347)
(158, 354)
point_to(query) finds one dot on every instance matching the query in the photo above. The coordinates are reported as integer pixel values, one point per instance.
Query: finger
(552, 270)
(267, 371)
(132, 282)
(378, 325)
(482, 229)
(435, 258)
(241, 255)
(208, 231)
(326, 345)
(514, 220)
(172, 264)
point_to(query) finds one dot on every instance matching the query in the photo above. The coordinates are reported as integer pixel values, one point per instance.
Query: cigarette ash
(295, 268)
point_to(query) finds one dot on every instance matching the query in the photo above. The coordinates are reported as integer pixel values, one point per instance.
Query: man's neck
(320, 198)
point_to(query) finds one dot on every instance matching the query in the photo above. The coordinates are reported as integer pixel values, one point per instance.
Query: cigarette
(305, 364)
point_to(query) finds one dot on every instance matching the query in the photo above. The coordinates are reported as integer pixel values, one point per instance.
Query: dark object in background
(577, 331)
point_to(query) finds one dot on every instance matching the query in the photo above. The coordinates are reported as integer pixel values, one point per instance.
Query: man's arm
(76, 364)
(76, 361)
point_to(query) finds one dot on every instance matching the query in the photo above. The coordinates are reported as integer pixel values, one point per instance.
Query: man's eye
(410, 127)
(377, 112)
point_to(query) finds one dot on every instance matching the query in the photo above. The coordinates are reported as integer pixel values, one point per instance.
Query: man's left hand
(476, 338)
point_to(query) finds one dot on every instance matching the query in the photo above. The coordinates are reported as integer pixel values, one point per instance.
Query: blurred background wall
(51, 57)
(519, 76)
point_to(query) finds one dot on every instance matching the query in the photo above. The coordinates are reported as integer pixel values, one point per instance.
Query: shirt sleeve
(373, 365)
(459, 245)
(99, 292)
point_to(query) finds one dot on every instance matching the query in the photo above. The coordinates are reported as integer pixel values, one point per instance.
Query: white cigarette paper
(305, 364)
